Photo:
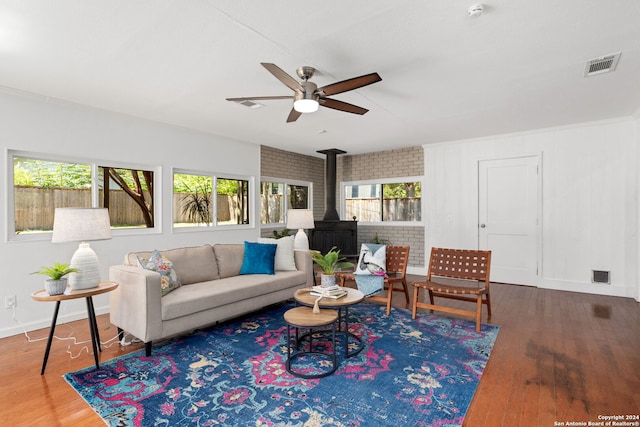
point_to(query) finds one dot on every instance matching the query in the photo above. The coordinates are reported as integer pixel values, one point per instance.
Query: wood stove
(331, 231)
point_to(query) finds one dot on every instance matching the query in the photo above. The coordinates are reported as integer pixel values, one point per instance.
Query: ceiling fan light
(305, 105)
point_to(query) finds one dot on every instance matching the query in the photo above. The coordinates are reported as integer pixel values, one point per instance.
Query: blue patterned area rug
(420, 372)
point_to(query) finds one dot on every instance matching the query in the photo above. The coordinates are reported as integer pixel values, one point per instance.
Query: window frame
(382, 181)
(214, 191)
(94, 165)
(286, 183)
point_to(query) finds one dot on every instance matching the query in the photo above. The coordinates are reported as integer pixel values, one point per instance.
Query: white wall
(38, 124)
(590, 200)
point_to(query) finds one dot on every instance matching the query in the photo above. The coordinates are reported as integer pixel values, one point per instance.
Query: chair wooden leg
(389, 298)
(415, 302)
(432, 299)
(405, 289)
(488, 300)
(478, 312)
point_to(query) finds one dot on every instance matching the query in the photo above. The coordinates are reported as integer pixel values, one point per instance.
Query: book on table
(329, 290)
(334, 296)
(334, 291)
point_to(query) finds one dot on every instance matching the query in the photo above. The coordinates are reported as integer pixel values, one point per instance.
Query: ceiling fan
(308, 96)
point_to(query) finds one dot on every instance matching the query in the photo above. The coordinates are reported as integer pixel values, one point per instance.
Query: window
(277, 197)
(233, 201)
(384, 201)
(42, 184)
(128, 193)
(272, 202)
(193, 200)
(194, 204)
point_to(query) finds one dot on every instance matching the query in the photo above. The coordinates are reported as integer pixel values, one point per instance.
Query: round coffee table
(305, 318)
(354, 296)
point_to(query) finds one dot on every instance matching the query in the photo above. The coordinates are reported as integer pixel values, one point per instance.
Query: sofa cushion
(285, 261)
(259, 258)
(192, 264)
(207, 295)
(229, 258)
(162, 265)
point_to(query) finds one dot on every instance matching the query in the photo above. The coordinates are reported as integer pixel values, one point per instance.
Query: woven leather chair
(471, 267)
(396, 265)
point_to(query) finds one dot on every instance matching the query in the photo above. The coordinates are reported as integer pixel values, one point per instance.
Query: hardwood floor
(560, 357)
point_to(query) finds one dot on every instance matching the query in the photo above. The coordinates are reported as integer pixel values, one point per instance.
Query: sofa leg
(147, 349)
(120, 334)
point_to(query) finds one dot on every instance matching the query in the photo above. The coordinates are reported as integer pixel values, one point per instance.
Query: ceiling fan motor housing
(307, 100)
(305, 72)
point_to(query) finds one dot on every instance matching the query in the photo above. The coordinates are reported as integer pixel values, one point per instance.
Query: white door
(508, 217)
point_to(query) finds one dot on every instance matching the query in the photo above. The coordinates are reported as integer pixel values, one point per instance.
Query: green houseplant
(56, 283)
(329, 263)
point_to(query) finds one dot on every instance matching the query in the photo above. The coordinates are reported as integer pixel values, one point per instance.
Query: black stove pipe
(330, 213)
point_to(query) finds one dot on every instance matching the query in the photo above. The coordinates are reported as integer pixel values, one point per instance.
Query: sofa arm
(304, 263)
(135, 305)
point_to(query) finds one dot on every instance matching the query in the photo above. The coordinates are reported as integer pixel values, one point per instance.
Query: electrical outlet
(10, 302)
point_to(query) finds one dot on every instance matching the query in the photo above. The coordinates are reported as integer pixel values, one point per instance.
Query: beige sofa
(212, 290)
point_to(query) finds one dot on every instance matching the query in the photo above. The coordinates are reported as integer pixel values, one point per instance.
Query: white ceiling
(446, 76)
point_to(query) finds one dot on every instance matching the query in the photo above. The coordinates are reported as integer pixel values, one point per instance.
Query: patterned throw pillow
(160, 264)
(371, 269)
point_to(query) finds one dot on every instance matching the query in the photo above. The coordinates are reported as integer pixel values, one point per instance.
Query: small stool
(305, 318)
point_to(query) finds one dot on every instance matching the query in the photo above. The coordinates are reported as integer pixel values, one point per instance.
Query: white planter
(327, 280)
(55, 287)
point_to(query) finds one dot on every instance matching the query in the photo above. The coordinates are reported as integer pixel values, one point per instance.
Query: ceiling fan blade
(349, 84)
(285, 78)
(258, 98)
(342, 106)
(293, 115)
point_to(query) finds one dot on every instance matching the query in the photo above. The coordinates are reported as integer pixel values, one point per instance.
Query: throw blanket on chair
(371, 268)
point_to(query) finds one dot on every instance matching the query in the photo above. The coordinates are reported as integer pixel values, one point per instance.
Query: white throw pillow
(284, 253)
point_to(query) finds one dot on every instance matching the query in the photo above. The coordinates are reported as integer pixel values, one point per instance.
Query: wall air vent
(603, 64)
(600, 276)
(251, 104)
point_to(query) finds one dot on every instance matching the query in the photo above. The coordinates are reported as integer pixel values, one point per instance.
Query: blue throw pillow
(259, 258)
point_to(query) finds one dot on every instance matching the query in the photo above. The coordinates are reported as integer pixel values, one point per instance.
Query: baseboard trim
(41, 324)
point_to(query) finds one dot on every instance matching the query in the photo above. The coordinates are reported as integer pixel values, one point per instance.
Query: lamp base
(86, 261)
(301, 242)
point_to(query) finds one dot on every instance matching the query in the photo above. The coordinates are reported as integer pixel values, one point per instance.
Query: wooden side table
(42, 295)
(354, 296)
(305, 318)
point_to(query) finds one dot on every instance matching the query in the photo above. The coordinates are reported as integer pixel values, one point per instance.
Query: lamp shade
(300, 218)
(81, 225)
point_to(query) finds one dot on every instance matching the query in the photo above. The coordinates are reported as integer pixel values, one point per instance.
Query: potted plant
(329, 263)
(56, 283)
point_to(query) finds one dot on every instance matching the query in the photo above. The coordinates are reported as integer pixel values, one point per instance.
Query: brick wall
(412, 236)
(383, 164)
(387, 164)
(276, 163)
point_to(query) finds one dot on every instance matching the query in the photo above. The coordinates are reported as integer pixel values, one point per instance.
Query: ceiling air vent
(603, 64)
(251, 104)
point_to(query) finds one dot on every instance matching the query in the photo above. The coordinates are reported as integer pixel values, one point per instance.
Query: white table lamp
(82, 225)
(300, 219)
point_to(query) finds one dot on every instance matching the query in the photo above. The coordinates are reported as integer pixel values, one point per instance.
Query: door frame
(539, 203)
